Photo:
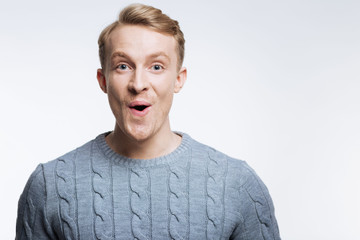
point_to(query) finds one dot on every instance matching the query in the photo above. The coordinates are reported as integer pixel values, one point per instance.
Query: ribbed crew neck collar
(131, 162)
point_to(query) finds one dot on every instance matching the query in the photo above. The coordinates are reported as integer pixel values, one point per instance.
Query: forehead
(139, 41)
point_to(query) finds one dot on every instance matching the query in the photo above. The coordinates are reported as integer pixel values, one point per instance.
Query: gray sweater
(194, 192)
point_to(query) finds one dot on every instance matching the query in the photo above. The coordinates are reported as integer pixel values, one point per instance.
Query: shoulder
(236, 168)
(34, 189)
(31, 198)
(245, 194)
(34, 185)
(238, 175)
(70, 157)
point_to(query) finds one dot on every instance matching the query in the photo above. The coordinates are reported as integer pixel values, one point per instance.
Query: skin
(141, 65)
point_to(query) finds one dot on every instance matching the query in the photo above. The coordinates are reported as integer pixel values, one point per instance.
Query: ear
(180, 80)
(101, 80)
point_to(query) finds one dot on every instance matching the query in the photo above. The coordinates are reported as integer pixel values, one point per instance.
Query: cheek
(114, 96)
(168, 92)
(167, 99)
(114, 87)
(165, 93)
(165, 86)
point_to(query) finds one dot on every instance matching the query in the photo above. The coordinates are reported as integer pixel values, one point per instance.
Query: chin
(139, 133)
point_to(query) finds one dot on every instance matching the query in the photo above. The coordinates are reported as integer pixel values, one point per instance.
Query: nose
(138, 82)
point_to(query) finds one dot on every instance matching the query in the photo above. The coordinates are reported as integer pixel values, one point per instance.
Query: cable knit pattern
(65, 187)
(29, 217)
(194, 192)
(103, 225)
(140, 203)
(262, 213)
(216, 169)
(178, 182)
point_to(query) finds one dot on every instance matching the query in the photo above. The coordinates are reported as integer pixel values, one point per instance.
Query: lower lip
(140, 113)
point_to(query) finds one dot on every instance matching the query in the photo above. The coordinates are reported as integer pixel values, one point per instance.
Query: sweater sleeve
(257, 211)
(31, 220)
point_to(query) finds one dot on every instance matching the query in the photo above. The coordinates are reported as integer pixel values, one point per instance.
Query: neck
(161, 143)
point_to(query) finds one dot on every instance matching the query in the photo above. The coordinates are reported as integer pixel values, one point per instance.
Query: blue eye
(123, 67)
(157, 67)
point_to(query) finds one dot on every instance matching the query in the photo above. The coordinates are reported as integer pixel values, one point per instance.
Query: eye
(123, 67)
(157, 67)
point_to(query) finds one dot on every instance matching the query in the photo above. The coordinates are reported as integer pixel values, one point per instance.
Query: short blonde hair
(139, 14)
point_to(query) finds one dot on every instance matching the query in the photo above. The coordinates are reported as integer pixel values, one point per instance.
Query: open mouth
(140, 107)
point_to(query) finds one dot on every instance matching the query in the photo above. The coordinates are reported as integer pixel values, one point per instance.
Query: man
(143, 181)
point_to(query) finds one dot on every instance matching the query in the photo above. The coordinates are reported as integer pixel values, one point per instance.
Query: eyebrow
(159, 54)
(151, 56)
(119, 54)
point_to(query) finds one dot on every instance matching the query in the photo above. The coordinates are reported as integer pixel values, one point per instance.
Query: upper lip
(139, 103)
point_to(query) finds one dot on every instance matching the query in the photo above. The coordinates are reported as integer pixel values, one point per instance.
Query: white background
(276, 83)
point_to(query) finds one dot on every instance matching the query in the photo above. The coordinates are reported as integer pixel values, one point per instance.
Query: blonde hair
(139, 14)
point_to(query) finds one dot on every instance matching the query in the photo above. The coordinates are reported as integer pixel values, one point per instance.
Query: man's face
(140, 79)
